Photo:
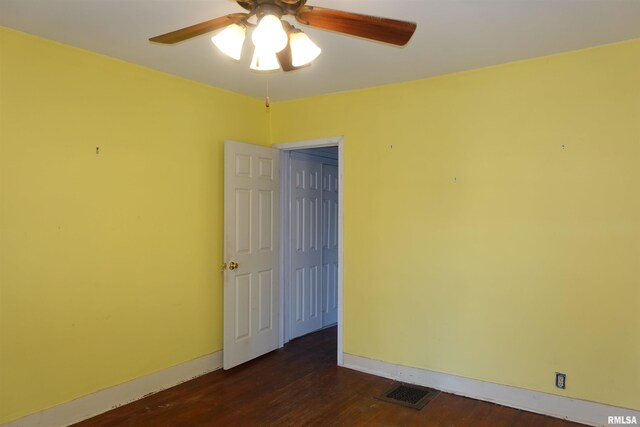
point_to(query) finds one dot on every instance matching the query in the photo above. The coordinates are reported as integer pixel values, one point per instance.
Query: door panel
(251, 229)
(306, 254)
(329, 244)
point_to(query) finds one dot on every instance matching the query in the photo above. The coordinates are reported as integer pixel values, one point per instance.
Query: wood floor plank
(301, 385)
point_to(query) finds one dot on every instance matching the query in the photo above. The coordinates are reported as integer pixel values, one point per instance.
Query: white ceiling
(452, 35)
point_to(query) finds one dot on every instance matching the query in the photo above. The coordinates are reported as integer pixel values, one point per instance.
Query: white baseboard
(582, 411)
(112, 397)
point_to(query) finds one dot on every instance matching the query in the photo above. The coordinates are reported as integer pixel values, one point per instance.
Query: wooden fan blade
(369, 27)
(285, 59)
(198, 29)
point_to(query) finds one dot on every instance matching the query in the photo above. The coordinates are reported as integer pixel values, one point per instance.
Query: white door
(305, 304)
(329, 244)
(251, 251)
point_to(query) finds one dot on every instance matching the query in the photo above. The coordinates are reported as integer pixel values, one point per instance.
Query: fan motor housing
(287, 7)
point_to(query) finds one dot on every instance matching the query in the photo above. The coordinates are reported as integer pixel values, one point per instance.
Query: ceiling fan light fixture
(269, 35)
(280, 45)
(264, 61)
(230, 40)
(303, 50)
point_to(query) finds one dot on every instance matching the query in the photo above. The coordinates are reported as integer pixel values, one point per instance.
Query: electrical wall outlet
(561, 380)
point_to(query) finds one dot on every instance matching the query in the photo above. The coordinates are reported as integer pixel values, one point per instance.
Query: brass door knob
(233, 265)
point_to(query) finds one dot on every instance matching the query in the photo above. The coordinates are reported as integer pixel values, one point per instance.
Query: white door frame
(336, 141)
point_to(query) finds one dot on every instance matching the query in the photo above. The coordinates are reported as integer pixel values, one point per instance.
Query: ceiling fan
(278, 44)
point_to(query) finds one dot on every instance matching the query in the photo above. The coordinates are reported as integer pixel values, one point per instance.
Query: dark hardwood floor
(298, 385)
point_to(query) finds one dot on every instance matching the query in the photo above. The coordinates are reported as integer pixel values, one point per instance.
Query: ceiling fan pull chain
(267, 100)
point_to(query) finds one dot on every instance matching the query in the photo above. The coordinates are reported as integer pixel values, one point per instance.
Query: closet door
(306, 247)
(329, 244)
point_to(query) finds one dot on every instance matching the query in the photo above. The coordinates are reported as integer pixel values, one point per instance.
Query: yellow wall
(110, 262)
(526, 266)
(530, 263)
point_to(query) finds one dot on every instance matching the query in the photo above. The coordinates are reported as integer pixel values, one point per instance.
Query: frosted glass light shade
(264, 61)
(269, 36)
(230, 40)
(303, 50)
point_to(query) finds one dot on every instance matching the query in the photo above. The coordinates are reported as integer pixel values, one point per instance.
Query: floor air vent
(413, 396)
